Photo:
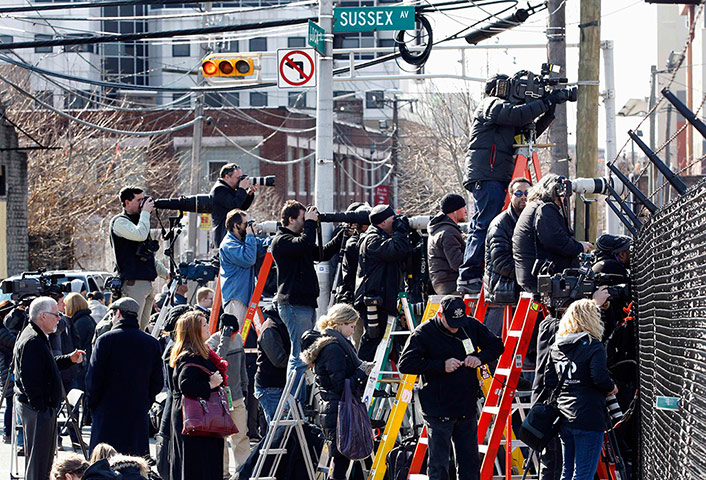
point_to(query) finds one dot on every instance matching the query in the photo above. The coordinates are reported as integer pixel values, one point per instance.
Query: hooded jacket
(445, 251)
(581, 399)
(430, 345)
(499, 276)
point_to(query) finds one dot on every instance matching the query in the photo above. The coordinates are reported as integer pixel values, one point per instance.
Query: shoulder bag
(207, 417)
(354, 435)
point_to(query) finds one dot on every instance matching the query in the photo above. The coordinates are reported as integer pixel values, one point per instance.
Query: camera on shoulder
(146, 250)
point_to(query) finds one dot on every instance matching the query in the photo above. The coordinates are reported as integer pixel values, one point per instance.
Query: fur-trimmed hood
(312, 343)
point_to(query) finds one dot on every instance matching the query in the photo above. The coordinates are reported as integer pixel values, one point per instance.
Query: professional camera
(201, 271)
(560, 289)
(361, 218)
(146, 250)
(613, 407)
(35, 284)
(525, 85)
(115, 285)
(192, 203)
(268, 181)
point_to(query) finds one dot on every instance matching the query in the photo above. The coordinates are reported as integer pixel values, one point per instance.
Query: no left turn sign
(296, 68)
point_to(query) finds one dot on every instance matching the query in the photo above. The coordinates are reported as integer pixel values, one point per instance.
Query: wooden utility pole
(556, 55)
(587, 116)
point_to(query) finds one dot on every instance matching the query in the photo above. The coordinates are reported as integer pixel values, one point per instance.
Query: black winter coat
(445, 251)
(380, 263)
(332, 366)
(85, 327)
(495, 124)
(349, 265)
(581, 398)
(614, 315)
(430, 345)
(192, 457)
(546, 334)
(499, 276)
(63, 342)
(294, 255)
(273, 349)
(123, 378)
(542, 234)
(224, 200)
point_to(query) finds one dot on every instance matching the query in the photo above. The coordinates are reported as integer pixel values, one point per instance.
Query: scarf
(220, 364)
(345, 344)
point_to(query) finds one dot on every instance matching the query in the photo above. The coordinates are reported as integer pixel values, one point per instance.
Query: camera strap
(555, 393)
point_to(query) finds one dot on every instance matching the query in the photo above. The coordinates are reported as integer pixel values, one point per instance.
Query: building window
(348, 97)
(77, 100)
(385, 42)
(182, 101)
(5, 39)
(41, 37)
(227, 99)
(296, 42)
(181, 50)
(374, 99)
(297, 99)
(227, 46)
(258, 44)
(86, 48)
(258, 99)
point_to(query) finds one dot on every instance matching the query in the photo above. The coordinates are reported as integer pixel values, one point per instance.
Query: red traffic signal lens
(209, 67)
(225, 67)
(242, 66)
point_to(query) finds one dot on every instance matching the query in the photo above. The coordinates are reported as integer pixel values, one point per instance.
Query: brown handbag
(207, 417)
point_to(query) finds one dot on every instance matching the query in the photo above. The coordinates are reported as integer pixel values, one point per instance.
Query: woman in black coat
(80, 316)
(334, 360)
(194, 457)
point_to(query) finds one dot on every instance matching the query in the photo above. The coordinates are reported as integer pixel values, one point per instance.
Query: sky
(630, 24)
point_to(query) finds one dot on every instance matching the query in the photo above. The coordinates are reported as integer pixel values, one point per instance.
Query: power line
(74, 5)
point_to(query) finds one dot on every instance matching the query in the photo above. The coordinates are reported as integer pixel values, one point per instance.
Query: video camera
(560, 289)
(35, 284)
(525, 85)
(201, 271)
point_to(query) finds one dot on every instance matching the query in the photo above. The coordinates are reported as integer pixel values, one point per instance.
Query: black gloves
(228, 320)
(556, 97)
(401, 224)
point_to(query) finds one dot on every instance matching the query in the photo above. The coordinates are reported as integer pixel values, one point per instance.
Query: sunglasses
(520, 194)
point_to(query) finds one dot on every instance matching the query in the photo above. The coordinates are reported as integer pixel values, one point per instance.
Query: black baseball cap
(454, 310)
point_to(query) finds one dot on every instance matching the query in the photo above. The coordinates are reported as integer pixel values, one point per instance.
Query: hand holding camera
(147, 204)
(251, 227)
(311, 214)
(557, 96)
(401, 224)
(587, 246)
(245, 182)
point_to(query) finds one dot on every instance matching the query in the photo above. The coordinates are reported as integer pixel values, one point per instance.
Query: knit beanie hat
(452, 202)
(614, 244)
(380, 213)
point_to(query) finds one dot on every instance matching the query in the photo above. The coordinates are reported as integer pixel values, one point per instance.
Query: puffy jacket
(445, 250)
(499, 276)
(332, 366)
(294, 255)
(430, 345)
(541, 234)
(380, 267)
(495, 124)
(226, 199)
(581, 399)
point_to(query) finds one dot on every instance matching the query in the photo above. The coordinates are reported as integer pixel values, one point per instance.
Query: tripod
(175, 279)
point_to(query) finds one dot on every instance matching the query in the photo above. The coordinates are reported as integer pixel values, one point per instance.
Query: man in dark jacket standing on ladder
(445, 247)
(489, 164)
(445, 352)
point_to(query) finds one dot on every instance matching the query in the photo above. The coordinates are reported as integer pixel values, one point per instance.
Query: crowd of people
(64, 343)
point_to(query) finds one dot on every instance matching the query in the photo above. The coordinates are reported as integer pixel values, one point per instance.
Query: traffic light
(227, 66)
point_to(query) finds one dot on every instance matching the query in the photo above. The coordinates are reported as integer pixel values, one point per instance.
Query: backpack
(399, 459)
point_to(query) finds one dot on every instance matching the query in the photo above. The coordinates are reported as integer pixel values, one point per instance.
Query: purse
(207, 417)
(354, 435)
(542, 421)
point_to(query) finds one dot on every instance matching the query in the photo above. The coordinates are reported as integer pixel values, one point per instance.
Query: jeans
(581, 450)
(488, 202)
(269, 399)
(298, 320)
(464, 433)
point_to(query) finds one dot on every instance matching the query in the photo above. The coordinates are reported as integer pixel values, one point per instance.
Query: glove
(556, 97)
(374, 331)
(228, 320)
(367, 367)
(401, 224)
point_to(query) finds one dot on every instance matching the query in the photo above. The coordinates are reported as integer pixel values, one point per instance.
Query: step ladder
(500, 397)
(288, 415)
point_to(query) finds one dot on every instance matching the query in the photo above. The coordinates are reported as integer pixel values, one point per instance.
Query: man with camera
(232, 190)
(135, 251)
(612, 262)
(490, 163)
(294, 251)
(445, 247)
(383, 249)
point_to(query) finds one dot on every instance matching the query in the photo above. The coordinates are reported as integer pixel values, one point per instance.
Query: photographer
(542, 233)
(294, 251)
(134, 250)
(445, 247)
(349, 261)
(231, 190)
(489, 164)
(613, 258)
(383, 249)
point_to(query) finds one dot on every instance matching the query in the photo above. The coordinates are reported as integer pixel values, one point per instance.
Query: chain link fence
(669, 279)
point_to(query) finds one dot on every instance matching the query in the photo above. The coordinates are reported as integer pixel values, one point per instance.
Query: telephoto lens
(613, 408)
(268, 181)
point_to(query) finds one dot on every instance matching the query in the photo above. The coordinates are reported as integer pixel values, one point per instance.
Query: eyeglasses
(520, 194)
(52, 313)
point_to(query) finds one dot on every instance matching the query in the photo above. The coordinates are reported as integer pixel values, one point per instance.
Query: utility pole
(556, 55)
(395, 151)
(613, 224)
(587, 116)
(195, 170)
(323, 186)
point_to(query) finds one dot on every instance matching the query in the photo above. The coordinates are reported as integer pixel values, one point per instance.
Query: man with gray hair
(38, 388)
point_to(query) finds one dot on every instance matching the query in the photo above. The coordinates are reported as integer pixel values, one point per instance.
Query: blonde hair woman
(579, 356)
(335, 360)
(79, 315)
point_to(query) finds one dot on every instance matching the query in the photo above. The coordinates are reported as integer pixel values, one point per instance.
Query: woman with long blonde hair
(194, 457)
(579, 357)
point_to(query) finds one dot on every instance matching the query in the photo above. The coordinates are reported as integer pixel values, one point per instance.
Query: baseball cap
(454, 311)
(126, 305)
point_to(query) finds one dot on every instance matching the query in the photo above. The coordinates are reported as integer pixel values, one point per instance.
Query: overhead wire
(258, 157)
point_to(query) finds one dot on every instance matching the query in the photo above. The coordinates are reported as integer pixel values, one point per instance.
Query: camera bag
(542, 421)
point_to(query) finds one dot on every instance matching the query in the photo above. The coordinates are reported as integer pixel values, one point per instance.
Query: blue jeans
(581, 450)
(464, 433)
(268, 398)
(488, 202)
(298, 320)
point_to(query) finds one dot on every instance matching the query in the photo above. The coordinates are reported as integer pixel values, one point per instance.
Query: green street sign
(667, 403)
(367, 19)
(316, 37)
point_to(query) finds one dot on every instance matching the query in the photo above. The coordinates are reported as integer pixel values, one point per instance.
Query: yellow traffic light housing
(220, 65)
